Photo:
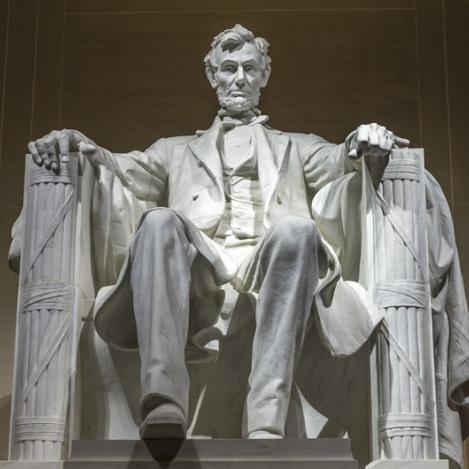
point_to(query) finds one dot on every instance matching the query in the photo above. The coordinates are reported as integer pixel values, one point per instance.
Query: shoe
(167, 421)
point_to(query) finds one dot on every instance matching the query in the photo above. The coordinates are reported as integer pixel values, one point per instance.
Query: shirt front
(241, 224)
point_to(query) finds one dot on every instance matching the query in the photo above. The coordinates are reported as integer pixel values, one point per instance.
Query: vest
(242, 221)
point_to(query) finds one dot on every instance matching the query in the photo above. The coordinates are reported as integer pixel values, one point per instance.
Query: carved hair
(230, 39)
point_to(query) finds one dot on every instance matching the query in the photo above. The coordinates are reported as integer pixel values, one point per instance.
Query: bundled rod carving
(45, 314)
(406, 385)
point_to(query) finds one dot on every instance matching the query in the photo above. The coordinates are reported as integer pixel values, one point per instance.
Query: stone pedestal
(321, 453)
(407, 464)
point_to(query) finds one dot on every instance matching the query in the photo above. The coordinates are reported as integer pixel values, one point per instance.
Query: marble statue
(245, 221)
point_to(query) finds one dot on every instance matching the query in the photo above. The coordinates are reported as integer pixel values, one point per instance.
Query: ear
(210, 72)
(266, 76)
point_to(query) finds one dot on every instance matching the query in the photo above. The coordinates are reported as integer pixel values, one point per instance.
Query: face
(239, 78)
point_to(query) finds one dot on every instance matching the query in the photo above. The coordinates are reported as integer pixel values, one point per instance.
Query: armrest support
(55, 293)
(405, 411)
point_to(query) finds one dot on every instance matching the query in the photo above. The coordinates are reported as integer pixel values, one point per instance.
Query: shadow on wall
(5, 409)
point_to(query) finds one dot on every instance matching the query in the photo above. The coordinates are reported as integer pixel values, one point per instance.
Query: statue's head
(238, 67)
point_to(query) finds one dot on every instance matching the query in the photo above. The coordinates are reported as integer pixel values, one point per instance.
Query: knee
(161, 225)
(161, 219)
(295, 233)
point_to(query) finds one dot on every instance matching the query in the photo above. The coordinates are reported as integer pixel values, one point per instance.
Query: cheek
(223, 81)
(255, 83)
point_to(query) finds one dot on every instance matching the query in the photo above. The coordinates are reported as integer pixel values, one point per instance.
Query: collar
(251, 117)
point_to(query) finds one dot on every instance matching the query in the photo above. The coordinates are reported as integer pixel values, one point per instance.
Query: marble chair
(70, 385)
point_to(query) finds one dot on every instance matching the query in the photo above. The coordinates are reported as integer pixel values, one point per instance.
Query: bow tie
(248, 118)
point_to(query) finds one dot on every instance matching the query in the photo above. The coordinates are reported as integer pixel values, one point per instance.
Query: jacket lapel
(271, 150)
(205, 150)
(272, 147)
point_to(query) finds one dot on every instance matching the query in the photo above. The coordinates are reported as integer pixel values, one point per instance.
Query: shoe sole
(163, 431)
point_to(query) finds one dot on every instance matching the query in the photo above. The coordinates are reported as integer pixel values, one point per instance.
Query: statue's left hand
(374, 140)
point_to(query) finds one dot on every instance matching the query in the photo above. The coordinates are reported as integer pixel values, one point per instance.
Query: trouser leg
(288, 277)
(161, 258)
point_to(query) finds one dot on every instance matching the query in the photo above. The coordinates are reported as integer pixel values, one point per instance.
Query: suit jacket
(185, 174)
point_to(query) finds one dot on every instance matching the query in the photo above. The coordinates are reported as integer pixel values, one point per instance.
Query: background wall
(128, 71)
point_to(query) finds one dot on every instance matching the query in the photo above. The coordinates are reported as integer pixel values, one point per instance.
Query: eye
(229, 68)
(249, 68)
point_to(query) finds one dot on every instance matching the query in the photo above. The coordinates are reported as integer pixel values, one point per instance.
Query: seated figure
(199, 234)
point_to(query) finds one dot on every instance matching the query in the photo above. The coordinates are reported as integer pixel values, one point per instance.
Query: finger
(42, 151)
(401, 142)
(88, 149)
(52, 155)
(388, 143)
(362, 134)
(75, 140)
(50, 143)
(386, 140)
(373, 138)
(382, 141)
(33, 150)
(353, 153)
(64, 146)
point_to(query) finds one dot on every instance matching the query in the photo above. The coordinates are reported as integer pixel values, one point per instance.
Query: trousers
(283, 274)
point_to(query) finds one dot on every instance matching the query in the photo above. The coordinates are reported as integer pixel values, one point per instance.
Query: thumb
(401, 142)
(87, 149)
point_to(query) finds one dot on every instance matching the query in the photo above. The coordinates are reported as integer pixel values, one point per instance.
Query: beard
(238, 104)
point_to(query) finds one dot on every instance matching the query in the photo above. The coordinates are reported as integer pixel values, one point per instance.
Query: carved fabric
(336, 210)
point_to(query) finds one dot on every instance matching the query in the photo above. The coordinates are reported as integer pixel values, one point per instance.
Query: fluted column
(48, 318)
(404, 356)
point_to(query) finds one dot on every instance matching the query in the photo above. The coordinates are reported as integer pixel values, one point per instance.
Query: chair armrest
(55, 293)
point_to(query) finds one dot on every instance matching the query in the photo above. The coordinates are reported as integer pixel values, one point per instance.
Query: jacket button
(195, 196)
(279, 200)
(199, 163)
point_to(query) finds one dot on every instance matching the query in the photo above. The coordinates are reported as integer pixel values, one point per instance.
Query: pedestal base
(322, 453)
(407, 464)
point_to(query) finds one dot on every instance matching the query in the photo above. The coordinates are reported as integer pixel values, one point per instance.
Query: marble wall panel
(131, 6)
(457, 41)
(18, 97)
(48, 74)
(4, 18)
(433, 92)
(327, 75)
(128, 71)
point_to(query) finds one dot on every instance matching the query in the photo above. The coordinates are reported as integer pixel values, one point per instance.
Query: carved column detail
(47, 310)
(405, 370)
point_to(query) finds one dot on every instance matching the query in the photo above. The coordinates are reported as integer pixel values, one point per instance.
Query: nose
(240, 78)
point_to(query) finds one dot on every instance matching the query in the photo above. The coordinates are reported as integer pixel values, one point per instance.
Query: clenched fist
(373, 139)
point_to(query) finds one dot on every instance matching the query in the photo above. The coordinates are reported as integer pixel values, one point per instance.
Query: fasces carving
(407, 410)
(198, 238)
(45, 314)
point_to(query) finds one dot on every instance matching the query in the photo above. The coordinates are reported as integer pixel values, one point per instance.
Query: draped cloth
(117, 209)
(336, 209)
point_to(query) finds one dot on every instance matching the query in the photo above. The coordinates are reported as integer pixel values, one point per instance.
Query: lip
(238, 93)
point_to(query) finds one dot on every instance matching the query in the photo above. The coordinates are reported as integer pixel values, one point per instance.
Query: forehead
(242, 53)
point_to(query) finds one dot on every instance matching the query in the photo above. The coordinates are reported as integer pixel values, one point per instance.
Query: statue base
(408, 464)
(321, 453)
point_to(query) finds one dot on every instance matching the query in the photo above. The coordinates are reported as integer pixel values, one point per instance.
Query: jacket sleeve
(144, 174)
(126, 185)
(324, 162)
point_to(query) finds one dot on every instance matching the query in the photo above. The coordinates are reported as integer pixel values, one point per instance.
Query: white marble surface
(402, 464)
(283, 170)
